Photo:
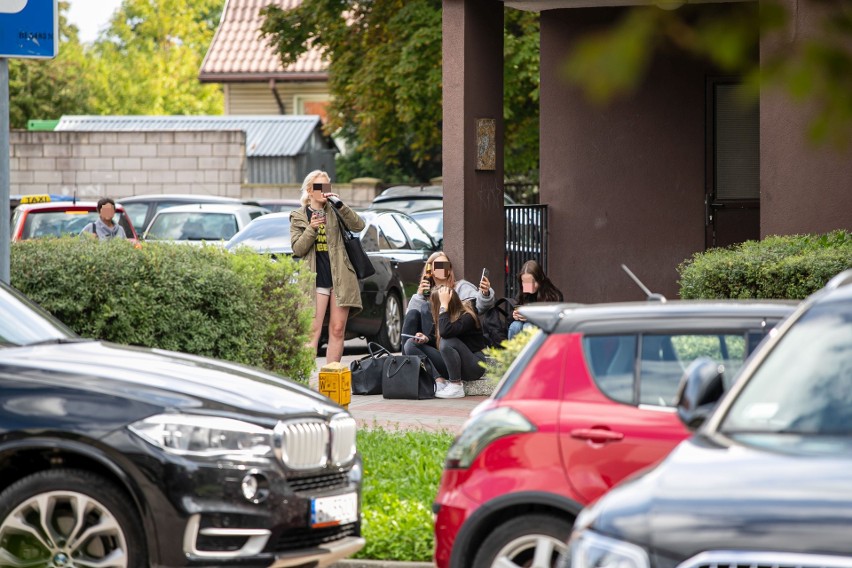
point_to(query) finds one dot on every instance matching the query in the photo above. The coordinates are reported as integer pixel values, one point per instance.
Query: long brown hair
(455, 309)
(546, 292)
(451, 277)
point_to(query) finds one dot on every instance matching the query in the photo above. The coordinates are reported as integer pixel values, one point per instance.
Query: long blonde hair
(451, 277)
(455, 309)
(308, 185)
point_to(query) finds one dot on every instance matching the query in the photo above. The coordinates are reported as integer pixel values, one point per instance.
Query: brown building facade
(675, 169)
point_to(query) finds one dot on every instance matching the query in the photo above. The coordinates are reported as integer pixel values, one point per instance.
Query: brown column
(804, 185)
(472, 158)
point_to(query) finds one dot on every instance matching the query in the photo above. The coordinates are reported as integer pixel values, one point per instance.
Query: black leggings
(439, 369)
(461, 362)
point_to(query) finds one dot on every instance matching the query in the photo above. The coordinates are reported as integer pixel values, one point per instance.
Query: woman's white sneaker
(452, 390)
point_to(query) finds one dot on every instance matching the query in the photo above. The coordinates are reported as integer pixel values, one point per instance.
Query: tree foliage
(385, 79)
(145, 62)
(47, 88)
(611, 63)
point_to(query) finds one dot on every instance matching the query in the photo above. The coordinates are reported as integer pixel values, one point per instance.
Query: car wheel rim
(62, 529)
(530, 551)
(393, 321)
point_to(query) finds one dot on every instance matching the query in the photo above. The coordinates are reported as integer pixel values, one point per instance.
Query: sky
(91, 16)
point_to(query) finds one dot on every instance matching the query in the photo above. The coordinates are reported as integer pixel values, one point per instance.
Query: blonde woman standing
(316, 238)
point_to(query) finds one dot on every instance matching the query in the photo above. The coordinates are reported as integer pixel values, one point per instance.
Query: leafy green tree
(147, 61)
(612, 62)
(385, 78)
(48, 88)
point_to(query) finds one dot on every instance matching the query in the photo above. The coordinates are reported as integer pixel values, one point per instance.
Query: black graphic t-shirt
(323, 263)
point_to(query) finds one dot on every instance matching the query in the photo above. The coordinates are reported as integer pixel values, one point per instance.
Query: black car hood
(164, 378)
(707, 496)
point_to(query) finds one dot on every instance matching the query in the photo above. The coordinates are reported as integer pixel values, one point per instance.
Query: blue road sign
(29, 28)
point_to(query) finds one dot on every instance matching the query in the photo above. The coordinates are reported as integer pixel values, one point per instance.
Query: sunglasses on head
(443, 264)
(323, 187)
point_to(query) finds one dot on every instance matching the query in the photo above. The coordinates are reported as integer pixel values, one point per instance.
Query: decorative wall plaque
(485, 144)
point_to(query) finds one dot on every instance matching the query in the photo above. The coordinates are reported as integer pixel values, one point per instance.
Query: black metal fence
(526, 239)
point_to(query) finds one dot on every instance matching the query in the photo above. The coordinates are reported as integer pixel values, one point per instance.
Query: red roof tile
(239, 53)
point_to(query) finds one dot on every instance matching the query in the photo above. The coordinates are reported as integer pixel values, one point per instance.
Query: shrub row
(202, 300)
(789, 267)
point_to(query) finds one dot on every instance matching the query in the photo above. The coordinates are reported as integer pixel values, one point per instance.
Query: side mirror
(700, 389)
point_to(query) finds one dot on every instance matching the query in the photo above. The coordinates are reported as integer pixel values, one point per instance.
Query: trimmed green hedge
(789, 267)
(202, 300)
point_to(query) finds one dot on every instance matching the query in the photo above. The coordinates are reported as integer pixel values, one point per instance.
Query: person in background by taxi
(104, 227)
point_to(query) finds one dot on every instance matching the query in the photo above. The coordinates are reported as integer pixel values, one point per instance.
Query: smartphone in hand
(484, 274)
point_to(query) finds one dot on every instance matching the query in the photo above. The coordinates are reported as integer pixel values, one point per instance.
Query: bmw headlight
(206, 436)
(482, 430)
(588, 549)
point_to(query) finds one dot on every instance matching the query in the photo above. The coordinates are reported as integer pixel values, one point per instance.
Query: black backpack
(495, 322)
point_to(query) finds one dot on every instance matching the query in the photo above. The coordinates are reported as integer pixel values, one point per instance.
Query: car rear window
(659, 359)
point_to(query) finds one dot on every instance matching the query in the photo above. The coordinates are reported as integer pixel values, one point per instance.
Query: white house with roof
(250, 71)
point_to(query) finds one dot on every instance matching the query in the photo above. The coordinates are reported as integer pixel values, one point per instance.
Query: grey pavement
(374, 411)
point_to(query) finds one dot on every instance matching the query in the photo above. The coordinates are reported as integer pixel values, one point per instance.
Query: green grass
(402, 470)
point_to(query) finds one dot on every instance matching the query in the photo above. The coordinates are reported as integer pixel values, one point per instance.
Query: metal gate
(526, 239)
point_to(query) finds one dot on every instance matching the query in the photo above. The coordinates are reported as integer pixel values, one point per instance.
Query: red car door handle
(597, 435)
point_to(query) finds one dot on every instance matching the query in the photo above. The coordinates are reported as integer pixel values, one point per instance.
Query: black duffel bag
(407, 376)
(367, 371)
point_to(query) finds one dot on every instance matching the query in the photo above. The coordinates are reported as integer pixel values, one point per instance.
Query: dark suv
(765, 482)
(123, 456)
(588, 402)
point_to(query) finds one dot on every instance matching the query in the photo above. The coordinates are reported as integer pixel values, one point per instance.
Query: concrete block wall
(120, 164)
(359, 192)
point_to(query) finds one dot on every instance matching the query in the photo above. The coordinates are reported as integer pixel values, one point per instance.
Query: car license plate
(333, 511)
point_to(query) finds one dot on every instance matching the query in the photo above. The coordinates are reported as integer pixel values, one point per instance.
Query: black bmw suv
(766, 481)
(129, 457)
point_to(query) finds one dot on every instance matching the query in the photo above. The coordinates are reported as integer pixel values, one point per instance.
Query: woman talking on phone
(317, 239)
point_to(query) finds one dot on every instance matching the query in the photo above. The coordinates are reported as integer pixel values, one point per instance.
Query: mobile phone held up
(485, 274)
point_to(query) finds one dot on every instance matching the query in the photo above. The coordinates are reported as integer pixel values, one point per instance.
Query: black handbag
(360, 261)
(408, 377)
(367, 371)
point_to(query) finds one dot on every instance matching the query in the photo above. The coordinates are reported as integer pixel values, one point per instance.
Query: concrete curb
(350, 563)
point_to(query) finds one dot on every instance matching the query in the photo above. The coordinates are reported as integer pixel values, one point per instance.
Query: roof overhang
(540, 5)
(261, 77)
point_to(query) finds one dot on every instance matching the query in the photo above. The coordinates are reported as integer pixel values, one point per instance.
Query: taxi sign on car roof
(44, 198)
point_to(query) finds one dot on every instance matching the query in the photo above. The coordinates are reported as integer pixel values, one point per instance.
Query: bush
(200, 300)
(499, 359)
(789, 267)
(402, 470)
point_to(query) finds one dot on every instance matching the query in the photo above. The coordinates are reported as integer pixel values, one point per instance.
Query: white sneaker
(452, 390)
(440, 385)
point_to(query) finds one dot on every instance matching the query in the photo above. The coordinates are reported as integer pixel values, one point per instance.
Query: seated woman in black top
(460, 341)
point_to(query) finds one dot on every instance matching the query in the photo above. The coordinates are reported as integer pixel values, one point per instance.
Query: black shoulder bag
(367, 371)
(359, 259)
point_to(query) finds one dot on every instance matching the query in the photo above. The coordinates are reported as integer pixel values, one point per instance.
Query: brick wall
(120, 164)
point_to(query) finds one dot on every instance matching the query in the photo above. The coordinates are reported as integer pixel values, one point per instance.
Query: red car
(588, 402)
(58, 218)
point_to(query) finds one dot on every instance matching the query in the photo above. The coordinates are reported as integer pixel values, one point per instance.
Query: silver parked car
(204, 222)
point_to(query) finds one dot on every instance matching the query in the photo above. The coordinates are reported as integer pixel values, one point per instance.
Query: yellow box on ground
(335, 382)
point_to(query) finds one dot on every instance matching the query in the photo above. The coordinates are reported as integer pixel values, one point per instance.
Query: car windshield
(192, 226)
(22, 322)
(804, 386)
(272, 234)
(58, 223)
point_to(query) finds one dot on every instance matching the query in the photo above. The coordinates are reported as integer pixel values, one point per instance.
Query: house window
(317, 105)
